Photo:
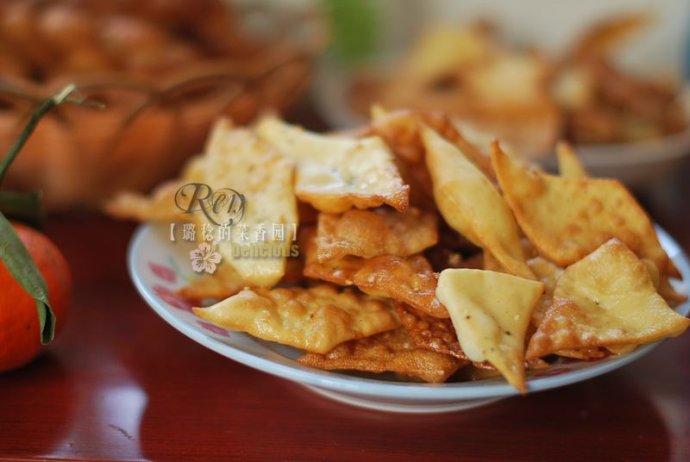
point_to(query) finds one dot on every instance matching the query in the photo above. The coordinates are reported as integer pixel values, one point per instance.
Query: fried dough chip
(224, 283)
(666, 290)
(602, 37)
(391, 351)
(410, 280)
(402, 131)
(568, 218)
(159, 206)
(606, 299)
(569, 166)
(548, 274)
(315, 319)
(429, 332)
(370, 233)
(491, 312)
(406, 279)
(445, 48)
(335, 174)
(663, 285)
(471, 204)
(339, 271)
(237, 159)
(584, 354)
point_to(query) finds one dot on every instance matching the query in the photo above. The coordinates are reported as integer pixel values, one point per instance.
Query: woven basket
(80, 156)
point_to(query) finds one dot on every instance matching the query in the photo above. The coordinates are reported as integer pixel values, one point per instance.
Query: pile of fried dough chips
(420, 254)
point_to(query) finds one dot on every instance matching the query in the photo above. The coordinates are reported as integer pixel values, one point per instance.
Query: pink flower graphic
(204, 258)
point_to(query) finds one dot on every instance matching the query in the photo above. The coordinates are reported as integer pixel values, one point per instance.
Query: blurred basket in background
(165, 70)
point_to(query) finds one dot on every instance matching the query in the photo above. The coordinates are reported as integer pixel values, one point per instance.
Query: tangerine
(19, 326)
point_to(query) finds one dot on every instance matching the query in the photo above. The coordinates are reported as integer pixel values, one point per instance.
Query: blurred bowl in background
(153, 121)
(640, 164)
(340, 85)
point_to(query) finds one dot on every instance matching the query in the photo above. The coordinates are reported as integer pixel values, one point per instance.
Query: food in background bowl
(165, 70)
(526, 98)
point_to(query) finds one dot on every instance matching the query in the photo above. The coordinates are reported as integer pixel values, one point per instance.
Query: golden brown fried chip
(507, 96)
(489, 262)
(491, 313)
(339, 271)
(159, 206)
(370, 233)
(568, 218)
(445, 48)
(666, 290)
(584, 354)
(605, 35)
(315, 319)
(472, 205)
(569, 166)
(606, 299)
(401, 130)
(224, 283)
(548, 274)
(335, 174)
(410, 280)
(406, 279)
(237, 159)
(621, 349)
(430, 332)
(391, 351)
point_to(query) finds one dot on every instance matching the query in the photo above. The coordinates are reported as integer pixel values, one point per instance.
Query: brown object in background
(164, 73)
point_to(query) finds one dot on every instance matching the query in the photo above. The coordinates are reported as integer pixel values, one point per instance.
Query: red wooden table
(121, 384)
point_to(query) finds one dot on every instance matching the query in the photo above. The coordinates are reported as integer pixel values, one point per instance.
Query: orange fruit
(19, 328)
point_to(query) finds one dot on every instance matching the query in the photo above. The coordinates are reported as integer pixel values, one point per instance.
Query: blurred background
(608, 77)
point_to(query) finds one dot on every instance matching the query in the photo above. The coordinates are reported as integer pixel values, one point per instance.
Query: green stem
(61, 97)
(13, 253)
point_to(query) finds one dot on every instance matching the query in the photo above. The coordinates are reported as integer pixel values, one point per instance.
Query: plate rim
(398, 390)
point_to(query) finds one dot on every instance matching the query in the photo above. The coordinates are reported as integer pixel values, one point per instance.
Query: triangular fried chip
(339, 271)
(233, 159)
(445, 48)
(371, 233)
(410, 280)
(429, 332)
(471, 204)
(569, 166)
(666, 290)
(392, 351)
(335, 174)
(568, 218)
(603, 36)
(606, 299)
(491, 312)
(158, 206)
(548, 274)
(402, 131)
(219, 285)
(406, 279)
(237, 159)
(314, 319)
(584, 354)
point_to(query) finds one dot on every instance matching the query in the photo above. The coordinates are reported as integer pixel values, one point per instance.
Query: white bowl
(159, 267)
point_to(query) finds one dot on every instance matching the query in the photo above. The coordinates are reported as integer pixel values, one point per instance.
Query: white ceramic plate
(158, 267)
